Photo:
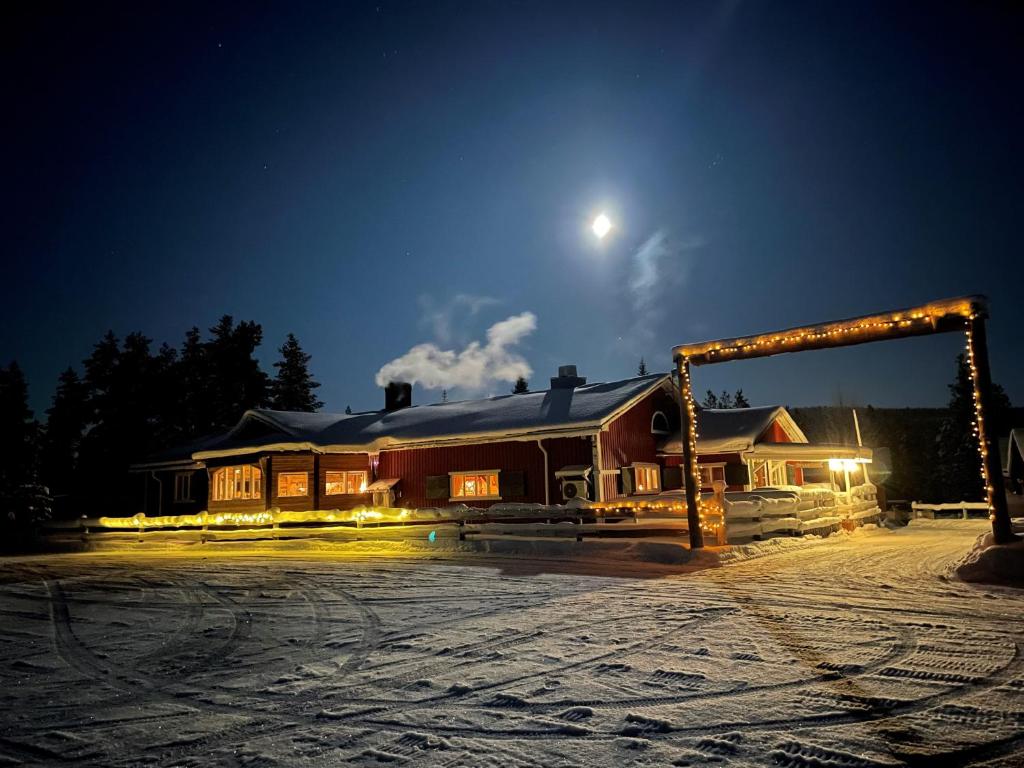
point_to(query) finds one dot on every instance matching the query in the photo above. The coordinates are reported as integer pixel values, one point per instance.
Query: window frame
(183, 480)
(364, 481)
(649, 470)
(220, 480)
(668, 427)
(291, 474)
(717, 465)
(475, 473)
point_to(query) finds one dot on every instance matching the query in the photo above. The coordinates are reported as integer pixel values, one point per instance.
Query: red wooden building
(575, 440)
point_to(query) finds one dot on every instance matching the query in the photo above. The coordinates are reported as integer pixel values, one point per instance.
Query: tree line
(127, 401)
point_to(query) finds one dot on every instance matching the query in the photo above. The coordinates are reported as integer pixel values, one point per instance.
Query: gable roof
(584, 408)
(732, 430)
(1013, 458)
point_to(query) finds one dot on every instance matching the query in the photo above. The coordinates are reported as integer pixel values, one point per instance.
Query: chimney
(397, 395)
(567, 378)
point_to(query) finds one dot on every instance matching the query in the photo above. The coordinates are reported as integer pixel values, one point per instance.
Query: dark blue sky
(375, 176)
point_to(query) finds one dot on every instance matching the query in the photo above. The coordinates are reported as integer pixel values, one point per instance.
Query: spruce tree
(66, 421)
(235, 380)
(522, 386)
(22, 502)
(348, 410)
(725, 400)
(739, 400)
(292, 389)
(192, 376)
(710, 400)
(959, 463)
(641, 370)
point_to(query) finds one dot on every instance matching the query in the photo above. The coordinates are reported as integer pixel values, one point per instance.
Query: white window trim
(474, 472)
(657, 473)
(665, 431)
(344, 482)
(278, 477)
(188, 499)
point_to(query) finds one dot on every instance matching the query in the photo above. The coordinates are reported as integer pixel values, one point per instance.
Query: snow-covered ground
(853, 651)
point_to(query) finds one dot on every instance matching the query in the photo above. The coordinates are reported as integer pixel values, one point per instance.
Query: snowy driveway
(850, 653)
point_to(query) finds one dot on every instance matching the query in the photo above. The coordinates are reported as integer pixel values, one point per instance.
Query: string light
(903, 322)
(978, 426)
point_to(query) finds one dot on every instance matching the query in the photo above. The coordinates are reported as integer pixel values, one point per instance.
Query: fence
(962, 510)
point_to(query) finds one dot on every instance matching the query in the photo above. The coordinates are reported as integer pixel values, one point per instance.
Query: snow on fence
(732, 516)
(796, 510)
(656, 515)
(963, 510)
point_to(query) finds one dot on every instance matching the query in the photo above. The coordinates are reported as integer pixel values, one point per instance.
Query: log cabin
(574, 440)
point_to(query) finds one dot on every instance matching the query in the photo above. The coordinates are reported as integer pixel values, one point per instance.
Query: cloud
(657, 268)
(474, 367)
(441, 318)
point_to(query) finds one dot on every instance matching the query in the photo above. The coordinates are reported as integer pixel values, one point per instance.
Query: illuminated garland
(926, 317)
(978, 425)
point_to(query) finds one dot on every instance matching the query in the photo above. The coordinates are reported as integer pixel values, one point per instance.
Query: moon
(601, 226)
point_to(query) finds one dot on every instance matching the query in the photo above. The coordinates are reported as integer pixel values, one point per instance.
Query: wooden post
(992, 472)
(691, 478)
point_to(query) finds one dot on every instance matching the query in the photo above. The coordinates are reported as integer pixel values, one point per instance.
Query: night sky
(377, 176)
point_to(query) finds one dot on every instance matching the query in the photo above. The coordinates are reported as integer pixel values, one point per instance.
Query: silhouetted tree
(641, 370)
(710, 400)
(348, 409)
(739, 400)
(192, 376)
(66, 421)
(129, 411)
(235, 381)
(959, 463)
(522, 386)
(292, 388)
(23, 503)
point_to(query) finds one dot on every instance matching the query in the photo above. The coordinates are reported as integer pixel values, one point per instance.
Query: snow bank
(989, 563)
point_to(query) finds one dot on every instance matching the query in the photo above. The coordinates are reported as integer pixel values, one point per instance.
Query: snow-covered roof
(555, 411)
(733, 430)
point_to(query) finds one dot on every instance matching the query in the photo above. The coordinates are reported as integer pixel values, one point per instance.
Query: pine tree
(292, 389)
(725, 400)
(641, 370)
(959, 463)
(235, 380)
(444, 395)
(522, 386)
(22, 503)
(192, 376)
(710, 400)
(66, 421)
(348, 409)
(739, 400)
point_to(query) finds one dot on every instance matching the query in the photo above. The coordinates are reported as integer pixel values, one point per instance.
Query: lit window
(293, 484)
(475, 485)
(338, 483)
(711, 474)
(182, 487)
(231, 483)
(648, 478)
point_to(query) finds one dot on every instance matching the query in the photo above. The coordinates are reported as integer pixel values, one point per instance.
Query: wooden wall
(628, 439)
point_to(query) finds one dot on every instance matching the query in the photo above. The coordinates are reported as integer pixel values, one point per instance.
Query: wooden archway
(966, 314)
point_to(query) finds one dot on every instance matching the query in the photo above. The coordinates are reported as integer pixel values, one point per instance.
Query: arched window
(230, 483)
(659, 424)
